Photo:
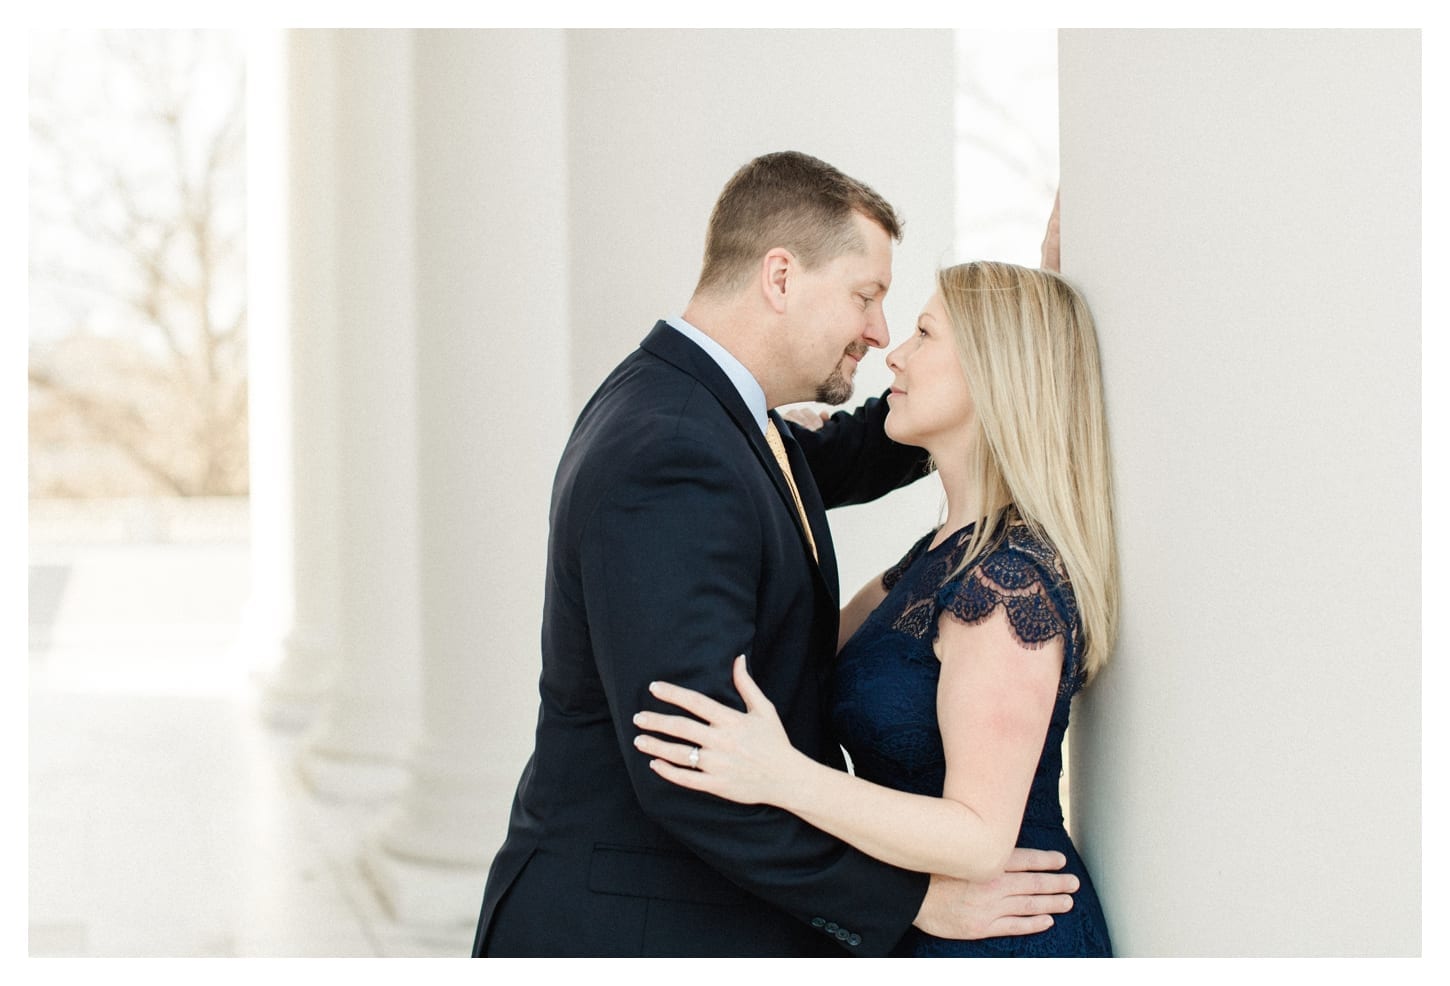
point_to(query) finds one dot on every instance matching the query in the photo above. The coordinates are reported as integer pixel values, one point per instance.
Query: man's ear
(777, 268)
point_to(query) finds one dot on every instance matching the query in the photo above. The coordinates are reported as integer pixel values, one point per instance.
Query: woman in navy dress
(957, 667)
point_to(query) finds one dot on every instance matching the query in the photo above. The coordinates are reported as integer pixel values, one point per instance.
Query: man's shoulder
(634, 445)
(645, 401)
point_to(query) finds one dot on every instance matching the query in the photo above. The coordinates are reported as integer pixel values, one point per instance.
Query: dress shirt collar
(750, 391)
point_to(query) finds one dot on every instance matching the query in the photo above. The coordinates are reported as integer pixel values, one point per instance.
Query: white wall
(1242, 210)
(658, 122)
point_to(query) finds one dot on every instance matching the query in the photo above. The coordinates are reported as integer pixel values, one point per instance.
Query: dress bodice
(883, 697)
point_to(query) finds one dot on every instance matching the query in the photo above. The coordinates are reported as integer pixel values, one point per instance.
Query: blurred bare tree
(137, 264)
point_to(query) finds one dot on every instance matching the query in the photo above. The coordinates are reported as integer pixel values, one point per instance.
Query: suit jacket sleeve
(853, 461)
(670, 563)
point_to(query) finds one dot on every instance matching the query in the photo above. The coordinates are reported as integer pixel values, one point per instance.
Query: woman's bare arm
(994, 701)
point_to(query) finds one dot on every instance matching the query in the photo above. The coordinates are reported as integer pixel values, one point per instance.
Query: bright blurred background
(138, 470)
(155, 789)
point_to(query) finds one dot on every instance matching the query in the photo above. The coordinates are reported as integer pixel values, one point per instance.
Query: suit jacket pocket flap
(636, 872)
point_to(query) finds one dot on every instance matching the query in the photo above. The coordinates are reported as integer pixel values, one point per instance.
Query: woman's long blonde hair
(1029, 350)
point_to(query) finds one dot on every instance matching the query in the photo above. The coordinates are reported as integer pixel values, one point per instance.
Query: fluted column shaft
(295, 688)
(493, 371)
(359, 743)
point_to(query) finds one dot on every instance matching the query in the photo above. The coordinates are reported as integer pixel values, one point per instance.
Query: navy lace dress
(884, 705)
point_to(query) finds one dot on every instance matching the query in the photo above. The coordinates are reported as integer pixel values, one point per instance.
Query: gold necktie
(777, 446)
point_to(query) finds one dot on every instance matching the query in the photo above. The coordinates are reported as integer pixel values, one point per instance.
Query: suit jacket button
(854, 940)
(832, 928)
(843, 934)
(818, 922)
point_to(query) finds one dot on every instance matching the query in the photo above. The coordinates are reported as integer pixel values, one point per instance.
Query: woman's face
(931, 405)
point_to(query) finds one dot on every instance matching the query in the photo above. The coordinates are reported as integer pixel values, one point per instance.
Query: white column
(493, 371)
(294, 689)
(357, 747)
(268, 612)
(1242, 211)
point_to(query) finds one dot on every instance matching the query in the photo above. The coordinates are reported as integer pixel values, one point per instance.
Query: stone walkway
(164, 818)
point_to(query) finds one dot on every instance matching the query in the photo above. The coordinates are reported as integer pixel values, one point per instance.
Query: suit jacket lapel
(674, 348)
(677, 350)
(800, 469)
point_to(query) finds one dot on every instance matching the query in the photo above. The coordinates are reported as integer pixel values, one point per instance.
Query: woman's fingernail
(639, 718)
(639, 741)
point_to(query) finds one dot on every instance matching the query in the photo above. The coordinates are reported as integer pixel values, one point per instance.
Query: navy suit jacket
(674, 545)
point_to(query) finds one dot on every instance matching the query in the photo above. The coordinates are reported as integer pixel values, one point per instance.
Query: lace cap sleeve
(1024, 576)
(892, 575)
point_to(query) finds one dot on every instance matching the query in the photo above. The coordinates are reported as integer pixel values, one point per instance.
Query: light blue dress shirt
(750, 391)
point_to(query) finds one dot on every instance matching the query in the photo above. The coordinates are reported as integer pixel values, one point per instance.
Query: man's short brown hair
(792, 200)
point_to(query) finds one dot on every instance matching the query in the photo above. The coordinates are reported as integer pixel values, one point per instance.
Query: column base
(350, 779)
(287, 712)
(291, 693)
(448, 817)
(424, 894)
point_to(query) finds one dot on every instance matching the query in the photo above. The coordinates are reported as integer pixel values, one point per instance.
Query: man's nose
(877, 334)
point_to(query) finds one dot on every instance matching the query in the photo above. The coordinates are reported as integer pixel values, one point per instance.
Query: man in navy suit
(678, 539)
